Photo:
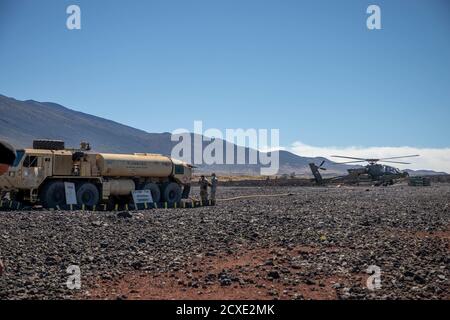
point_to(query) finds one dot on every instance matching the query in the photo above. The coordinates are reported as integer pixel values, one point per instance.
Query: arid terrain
(307, 243)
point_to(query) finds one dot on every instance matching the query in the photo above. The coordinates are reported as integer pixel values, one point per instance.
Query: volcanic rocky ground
(313, 243)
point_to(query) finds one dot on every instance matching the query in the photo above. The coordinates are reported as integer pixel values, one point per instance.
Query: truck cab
(28, 172)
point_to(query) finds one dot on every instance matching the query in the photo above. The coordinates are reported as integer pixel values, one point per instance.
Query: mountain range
(23, 121)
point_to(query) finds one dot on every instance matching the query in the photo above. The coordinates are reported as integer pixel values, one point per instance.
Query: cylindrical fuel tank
(121, 187)
(133, 165)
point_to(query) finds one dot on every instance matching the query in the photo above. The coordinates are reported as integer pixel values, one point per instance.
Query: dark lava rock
(419, 279)
(124, 214)
(401, 229)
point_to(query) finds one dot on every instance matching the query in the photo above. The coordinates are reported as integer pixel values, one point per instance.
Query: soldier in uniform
(7, 157)
(214, 182)
(204, 183)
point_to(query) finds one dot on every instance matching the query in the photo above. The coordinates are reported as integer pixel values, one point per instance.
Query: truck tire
(53, 194)
(154, 189)
(88, 194)
(48, 144)
(186, 191)
(171, 192)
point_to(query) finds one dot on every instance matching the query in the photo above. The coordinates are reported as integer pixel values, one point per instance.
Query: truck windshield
(19, 156)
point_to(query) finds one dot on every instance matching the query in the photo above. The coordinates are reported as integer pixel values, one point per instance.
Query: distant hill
(413, 173)
(23, 121)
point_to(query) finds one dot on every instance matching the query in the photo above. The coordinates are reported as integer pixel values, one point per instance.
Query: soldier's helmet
(213, 174)
(202, 176)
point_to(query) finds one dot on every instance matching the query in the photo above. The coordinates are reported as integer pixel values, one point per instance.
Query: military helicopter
(374, 172)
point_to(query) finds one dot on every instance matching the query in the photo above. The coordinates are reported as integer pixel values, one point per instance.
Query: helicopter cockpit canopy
(391, 170)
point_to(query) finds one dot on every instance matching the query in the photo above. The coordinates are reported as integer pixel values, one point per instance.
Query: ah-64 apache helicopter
(374, 172)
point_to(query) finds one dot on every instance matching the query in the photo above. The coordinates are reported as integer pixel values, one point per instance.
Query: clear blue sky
(310, 68)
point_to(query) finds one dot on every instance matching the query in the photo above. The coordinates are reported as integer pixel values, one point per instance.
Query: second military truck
(38, 175)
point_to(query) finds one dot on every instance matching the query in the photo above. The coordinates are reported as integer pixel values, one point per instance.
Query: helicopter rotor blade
(395, 162)
(414, 155)
(355, 161)
(373, 161)
(321, 168)
(321, 164)
(350, 158)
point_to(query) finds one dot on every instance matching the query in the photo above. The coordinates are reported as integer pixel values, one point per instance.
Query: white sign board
(71, 195)
(142, 196)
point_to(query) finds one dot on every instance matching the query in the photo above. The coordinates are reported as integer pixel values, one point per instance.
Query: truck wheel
(186, 191)
(88, 194)
(171, 193)
(53, 194)
(154, 189)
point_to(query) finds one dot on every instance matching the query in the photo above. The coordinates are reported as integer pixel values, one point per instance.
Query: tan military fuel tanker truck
(38, 175)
